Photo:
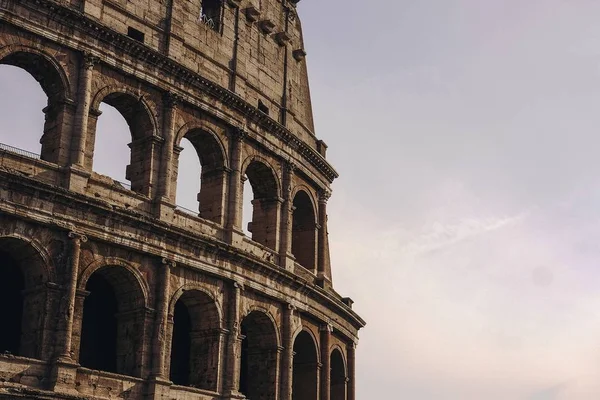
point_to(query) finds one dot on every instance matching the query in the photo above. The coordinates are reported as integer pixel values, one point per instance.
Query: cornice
(77, 20)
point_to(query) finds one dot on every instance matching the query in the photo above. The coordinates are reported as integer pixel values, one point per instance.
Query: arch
(213, 165)
(304, 230)
(196, 337)
(115, 262)
(42, 66)
(142, 127)
(23, 298)
(267, 181)
(264, 225)
(338, 375)
(48, 72)
(305, 367)
(131, 104)
(259, 357)
(188, 287)
(112, 326)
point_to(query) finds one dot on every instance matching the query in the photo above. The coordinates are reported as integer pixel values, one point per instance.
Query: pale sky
(465, 220)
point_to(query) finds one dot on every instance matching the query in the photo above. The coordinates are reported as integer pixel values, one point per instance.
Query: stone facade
(113, 292)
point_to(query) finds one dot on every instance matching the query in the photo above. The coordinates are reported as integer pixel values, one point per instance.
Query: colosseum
(112, 291)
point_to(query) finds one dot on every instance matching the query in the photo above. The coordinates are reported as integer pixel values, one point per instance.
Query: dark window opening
(11, 305)
(304, 382)
(135, 34)
(262, 107)
(99, 326)
(210, 13)
(338, 377)
(180, 352)
(258, 372)
(195, 343)
(304, 234)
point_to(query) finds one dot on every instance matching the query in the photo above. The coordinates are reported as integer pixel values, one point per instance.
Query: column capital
(171, 100)
(168, 263)
(238, 135)
(89, 61)
(78, 236)
(291, 307)
(290, 167)
(238, 285)
(326, 328)
(324, 196)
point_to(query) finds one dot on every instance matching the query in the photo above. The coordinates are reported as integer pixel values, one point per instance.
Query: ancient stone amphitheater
(111, 291)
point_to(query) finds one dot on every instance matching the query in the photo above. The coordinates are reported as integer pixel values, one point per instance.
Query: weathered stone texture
(113, 292)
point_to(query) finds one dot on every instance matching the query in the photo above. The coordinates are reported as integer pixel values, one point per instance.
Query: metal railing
(21, 152)
(29, 154)
(187, 210)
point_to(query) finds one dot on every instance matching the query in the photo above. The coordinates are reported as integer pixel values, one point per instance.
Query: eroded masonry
(110, 291)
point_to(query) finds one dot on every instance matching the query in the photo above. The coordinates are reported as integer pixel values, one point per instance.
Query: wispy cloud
(443, 235)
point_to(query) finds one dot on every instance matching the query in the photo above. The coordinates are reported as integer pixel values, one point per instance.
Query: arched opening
(338, 376)
(111, 150)
(258, 370)
(265, 204)
(33, 116)
(112, 329)
(195, 341)
(110, 138)
(23, 299)
(203, 169)
(305, 383)
(304, 233)
(11, 305)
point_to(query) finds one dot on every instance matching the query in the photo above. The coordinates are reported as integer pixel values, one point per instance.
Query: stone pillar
(287, 360)
(83, 109)
(286, 258)
(322, 267)
(234, 218)
(164, 193)
(326, 361)
(234, 345)
(352, 371)
(76, 240)
(160, 325)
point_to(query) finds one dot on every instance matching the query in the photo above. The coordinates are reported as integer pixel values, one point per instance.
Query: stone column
(171, 102)
(83, 109)
(351, 371)
(76, 240)
(234, 345)
(160, 325)
(287, 360)
(286, 257)
(325, 361)
(234, 220)
(322, 268)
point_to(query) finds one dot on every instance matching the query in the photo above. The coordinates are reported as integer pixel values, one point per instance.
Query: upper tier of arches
(283, 202)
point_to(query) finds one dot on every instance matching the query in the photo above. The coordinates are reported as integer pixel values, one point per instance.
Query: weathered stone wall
(195, 300)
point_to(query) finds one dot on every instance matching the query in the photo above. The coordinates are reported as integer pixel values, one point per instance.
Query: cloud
(441, 235)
